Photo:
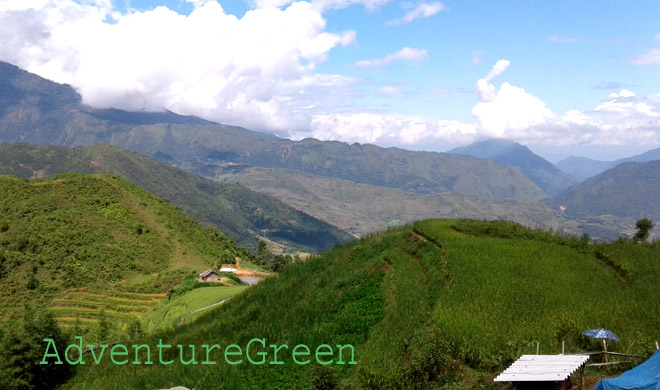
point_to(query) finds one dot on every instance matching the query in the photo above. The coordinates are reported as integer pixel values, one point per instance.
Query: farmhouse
(209, 276)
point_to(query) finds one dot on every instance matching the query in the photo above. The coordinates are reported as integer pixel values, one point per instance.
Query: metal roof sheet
(542, 368)
(207, 273)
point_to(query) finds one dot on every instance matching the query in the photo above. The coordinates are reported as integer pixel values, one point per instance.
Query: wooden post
(605, 349)
(582, 372)
(656, 345)
(562, 347)
(537, 347)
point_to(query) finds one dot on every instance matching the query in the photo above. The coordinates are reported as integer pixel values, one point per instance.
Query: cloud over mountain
(509, 112)
(261, 70)
(254, 70)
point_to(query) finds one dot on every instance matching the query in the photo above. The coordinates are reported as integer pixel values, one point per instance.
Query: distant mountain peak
(505, 151)
(584, 167)
(487, 148)
(37, 94)
(17, 85)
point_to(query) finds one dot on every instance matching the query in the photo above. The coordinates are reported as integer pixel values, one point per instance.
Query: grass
(83, 243)
(512, 287)
(440, 304)
(85, 305)
(168, 314)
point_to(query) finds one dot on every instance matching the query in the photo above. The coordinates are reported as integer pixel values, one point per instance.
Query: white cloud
(624, 93)
(484, 88)
(259, 71)
(476, 57)
(626, 110)
(511, 112)
(506, 112)
(390, 91)
(256, 71)
(385, 129)
(562, 39)
(421, 11)
(510, 107)
(197, 3)
(651, 57)
(323, 5)
(405, 54)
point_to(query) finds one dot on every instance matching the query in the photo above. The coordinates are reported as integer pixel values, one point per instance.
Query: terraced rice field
(86, 306)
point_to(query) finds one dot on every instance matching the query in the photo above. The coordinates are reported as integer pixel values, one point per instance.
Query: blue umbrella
(601, 334)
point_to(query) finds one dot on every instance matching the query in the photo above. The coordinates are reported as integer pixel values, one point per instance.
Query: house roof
(207, 273)
(227, 269)
(542, 368)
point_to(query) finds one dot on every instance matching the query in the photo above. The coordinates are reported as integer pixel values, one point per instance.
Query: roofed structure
(554, 369)
(209, 276)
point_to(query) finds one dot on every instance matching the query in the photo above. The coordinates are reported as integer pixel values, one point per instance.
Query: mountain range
(583, 167)
(382, 186)
(542, 172)
(629, 190)
(39, 111)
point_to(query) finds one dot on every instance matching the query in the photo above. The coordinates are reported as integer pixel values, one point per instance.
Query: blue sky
(564, 77)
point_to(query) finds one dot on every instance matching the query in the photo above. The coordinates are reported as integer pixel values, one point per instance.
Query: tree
(262, 247)
(33, 282)
(103, 327)
(264, 256)
(134, 329)
(644, 227)
(22, 348)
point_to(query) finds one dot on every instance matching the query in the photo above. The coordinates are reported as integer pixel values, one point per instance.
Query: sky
(562, 77)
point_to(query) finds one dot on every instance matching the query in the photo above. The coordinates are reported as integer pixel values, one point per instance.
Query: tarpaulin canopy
(601, 334)
(646, 376)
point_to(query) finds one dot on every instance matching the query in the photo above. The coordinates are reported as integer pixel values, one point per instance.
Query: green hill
(238, 212)
(79, 244)
(437, 305)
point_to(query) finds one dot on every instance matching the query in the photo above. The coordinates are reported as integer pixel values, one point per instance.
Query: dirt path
(183, 319)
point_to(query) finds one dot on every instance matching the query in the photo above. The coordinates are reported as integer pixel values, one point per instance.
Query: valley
(437, 269)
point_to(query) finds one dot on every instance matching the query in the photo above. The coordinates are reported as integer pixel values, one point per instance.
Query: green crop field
(436, 305)
(86, 306)
(168, 314)
(512, 287)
